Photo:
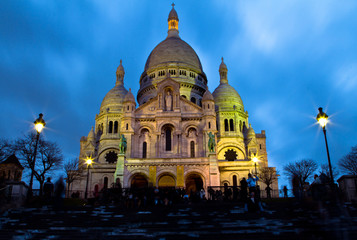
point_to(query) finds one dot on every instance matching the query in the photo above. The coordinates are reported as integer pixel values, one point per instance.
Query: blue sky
(285, 59)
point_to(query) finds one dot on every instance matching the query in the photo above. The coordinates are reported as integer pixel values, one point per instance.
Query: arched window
(235, 180)
(110, 127)
(144, 149)
(183, 96)
(128, 108)
(231, 125)
(116, 127)
(127, 126)
(209, 125)
(105, 182)
(192, 147)
(193, 99)
(168, 139)
(226, 125)
(208, 106)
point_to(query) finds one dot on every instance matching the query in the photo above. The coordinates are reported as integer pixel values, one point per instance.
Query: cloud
(346, 78)
(271, 26)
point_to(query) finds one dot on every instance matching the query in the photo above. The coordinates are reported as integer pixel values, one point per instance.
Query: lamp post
(39, 125)
(322, 120)
(89, 162)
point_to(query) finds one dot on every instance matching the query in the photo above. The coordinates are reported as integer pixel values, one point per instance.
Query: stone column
(214, 175)
(119, 171)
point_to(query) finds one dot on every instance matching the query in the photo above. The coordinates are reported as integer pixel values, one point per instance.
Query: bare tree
(302, 170)
(48, 157)
(72, 172)
(326, 171)
(5, 149)
(348, 163)
(268, 175)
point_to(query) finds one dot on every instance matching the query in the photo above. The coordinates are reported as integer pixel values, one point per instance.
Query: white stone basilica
(179, 135)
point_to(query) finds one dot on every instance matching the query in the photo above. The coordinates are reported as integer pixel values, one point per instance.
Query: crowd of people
(248, 194)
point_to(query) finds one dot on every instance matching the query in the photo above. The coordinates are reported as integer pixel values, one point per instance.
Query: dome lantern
(120, 74)
(173, 23)
(223, 70)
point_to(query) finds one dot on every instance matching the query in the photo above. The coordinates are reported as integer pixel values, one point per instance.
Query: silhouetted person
(252, 183)
(285, 191)
(252, 204)
(296, 187)
(59, 192)
(48, 188)
(243, 191)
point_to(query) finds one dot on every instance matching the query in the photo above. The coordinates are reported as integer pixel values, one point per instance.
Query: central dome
(173, 50)
(176, 59)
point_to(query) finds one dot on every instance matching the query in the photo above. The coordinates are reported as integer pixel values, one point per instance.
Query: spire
(173, 23)
(223, 72)
(91, 134)
(120, 74)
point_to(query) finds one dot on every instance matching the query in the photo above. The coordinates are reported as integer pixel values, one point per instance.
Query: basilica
(176, 133)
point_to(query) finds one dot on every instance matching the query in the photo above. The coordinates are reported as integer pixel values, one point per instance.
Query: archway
(194, 183)
(139, 181)
(167, 181)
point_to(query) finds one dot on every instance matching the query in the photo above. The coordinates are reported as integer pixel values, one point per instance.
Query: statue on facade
(211, 142)
(168, 101)
(122, 144)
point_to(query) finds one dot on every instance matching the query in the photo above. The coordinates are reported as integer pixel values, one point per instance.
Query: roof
(13, 160)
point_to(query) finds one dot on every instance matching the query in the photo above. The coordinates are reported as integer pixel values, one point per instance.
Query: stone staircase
(210, 220)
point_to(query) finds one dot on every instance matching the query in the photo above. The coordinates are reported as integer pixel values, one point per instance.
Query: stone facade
(165, 140)
(348, 187)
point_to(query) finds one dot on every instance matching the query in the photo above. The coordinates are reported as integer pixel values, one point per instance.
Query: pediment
(168, 83)
(148, 108)
(251, 142)
(189, 107)
(90, 145)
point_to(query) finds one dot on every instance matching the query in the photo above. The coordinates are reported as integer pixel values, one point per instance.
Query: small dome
(226, 97)
(129, 97)
(207, 96)
(114, 99)
(250, 132)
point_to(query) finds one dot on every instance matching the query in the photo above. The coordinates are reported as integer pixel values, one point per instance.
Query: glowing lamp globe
(322, 118)
(39, 123)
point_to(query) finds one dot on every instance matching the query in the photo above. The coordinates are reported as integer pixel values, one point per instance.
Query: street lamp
(255, 160)
(322, 120)
(39, 125)
(89, 162)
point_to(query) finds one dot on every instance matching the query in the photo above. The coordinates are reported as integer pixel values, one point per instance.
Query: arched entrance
(193, 183)
(139, 181)
(167, 181)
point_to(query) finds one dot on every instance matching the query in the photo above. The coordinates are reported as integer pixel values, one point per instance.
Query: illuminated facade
(167, 134)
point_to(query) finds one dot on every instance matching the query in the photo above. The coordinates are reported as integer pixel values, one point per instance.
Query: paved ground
(210, 220)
